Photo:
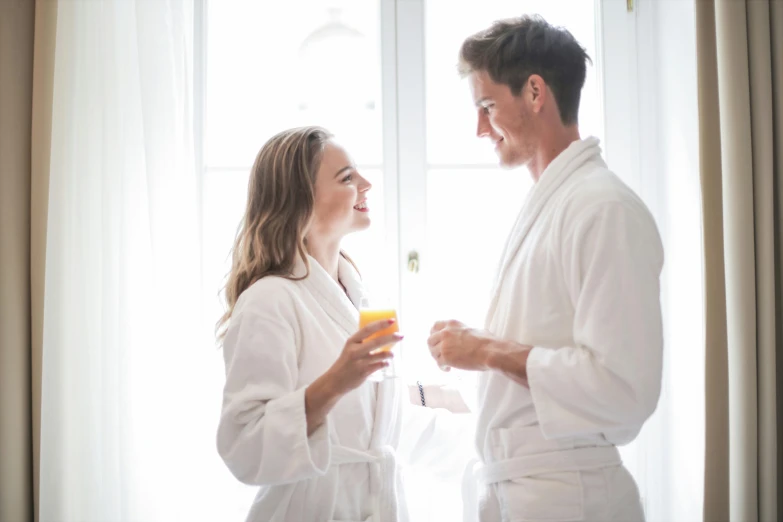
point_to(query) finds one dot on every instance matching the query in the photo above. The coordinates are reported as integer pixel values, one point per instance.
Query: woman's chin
(362, 222)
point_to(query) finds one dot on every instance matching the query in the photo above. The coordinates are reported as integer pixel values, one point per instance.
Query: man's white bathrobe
(282, 336)
(578, 281)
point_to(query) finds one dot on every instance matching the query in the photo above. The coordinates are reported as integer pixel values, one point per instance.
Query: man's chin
(507, 163)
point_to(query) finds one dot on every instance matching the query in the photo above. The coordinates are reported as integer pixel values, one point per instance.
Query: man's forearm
(508, 358)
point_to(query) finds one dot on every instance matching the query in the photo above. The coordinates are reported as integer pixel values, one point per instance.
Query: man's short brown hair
(511, 50)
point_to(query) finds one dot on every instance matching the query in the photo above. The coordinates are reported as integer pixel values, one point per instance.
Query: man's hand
(452, 344)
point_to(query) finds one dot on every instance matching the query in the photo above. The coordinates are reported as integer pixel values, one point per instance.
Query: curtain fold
(16, 416)
(716, 462)
(776, 37)
(740, 135)
(43, 95)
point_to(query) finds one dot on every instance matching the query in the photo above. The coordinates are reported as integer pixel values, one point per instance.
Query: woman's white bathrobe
(283, 335)
(579, 281)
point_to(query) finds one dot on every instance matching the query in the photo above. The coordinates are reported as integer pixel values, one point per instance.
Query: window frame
(403, 99)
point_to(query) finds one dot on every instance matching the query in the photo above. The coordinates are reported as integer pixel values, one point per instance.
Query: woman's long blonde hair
(280, 198)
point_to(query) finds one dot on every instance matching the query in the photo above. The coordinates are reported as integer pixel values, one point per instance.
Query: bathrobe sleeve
(262, 435)
(436, 440)
(440, 396)
(610, 380)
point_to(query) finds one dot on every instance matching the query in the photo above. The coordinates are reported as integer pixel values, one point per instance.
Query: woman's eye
(348, 178)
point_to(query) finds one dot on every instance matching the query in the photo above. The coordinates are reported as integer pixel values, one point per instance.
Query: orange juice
(369, 316)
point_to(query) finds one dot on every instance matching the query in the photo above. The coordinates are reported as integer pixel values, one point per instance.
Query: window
(381, 74)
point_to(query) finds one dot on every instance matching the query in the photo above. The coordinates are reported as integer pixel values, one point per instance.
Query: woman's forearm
(320, 398)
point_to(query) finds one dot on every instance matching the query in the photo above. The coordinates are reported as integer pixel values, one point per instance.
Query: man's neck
(551, 147)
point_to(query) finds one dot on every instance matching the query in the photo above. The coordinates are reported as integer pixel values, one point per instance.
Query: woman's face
(340, 196)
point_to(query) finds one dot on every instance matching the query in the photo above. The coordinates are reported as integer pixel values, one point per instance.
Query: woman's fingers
(374, 367)
(379, 355)
(381, 342)
(367, 331)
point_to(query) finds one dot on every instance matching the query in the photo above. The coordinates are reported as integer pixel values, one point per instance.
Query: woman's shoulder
(264, 318)
(270, 293)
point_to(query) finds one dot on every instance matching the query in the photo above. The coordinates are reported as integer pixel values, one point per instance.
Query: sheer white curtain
(669, 463)
(122, 427)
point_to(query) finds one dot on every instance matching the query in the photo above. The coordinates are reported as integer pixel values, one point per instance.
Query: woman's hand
(357, 361)
(361, 357)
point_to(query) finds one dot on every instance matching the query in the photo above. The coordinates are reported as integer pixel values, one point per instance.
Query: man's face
(504, 118)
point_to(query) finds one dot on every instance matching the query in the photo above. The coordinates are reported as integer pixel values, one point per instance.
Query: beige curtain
(740, 72)
(41, 145)
(26, 71)
(16, 79)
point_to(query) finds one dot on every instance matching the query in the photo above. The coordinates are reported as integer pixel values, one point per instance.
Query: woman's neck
(327, 253)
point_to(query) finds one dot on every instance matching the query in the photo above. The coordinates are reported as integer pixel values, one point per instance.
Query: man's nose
(483, 127)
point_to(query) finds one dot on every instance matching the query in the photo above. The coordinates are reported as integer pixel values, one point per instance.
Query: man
(571, 352)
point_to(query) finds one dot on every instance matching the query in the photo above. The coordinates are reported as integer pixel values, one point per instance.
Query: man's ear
(536, 87)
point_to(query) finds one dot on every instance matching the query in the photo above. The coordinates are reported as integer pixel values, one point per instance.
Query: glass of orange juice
(369, 315)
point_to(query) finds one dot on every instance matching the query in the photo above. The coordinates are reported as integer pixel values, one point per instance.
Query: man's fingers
(439, 360)
(438, 326)
(435, 339)
(435, 348)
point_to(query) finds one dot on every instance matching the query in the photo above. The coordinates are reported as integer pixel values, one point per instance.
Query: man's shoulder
(596, 187)
(598, 195)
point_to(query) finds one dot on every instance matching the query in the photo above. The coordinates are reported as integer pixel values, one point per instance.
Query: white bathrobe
(578, 281)
(282, 336)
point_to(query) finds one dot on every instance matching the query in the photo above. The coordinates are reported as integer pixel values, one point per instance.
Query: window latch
(413, 262)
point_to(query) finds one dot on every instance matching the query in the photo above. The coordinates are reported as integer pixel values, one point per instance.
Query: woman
(299, 417)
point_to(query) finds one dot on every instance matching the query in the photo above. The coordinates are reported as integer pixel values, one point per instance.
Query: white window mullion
(620, 89)
(199, 80)
(411, 141)
(200, 26)
(391, 162)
